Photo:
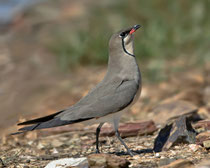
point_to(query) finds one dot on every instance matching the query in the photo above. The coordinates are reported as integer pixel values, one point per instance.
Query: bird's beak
(135, 27)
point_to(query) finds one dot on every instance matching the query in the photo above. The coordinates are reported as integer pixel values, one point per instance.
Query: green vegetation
(171, 30)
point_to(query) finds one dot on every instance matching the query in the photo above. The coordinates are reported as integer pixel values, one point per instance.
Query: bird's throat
(126, 50)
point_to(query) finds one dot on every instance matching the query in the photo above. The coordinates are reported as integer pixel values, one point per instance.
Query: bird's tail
(46, 122)
(39, 123)
(40, 120)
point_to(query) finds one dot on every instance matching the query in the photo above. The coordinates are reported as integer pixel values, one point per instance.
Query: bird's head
(123, 40)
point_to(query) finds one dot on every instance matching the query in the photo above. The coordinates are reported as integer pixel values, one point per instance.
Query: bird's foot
(97, 151)
(131, 153)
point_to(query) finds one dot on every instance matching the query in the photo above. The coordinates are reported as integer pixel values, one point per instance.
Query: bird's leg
(119, 137)
(98, 129)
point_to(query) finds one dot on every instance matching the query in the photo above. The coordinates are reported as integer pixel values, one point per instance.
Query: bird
(114, 95)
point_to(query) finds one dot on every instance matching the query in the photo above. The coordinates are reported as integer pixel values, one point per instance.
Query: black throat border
(123, 45)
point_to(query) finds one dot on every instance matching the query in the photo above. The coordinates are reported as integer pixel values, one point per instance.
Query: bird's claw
(97, 151)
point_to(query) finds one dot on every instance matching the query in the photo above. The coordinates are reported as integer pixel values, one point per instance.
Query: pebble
(28, 161)
(194, 147)
(40, 146)
(55, 151)
(107, 160)
(173, 152)
(25, 166)
(157, 155)
(136, 157)
(206, 144)
(180, 163)
(56, 143)
(176, 147)
(68, 162)
(165, 161)
(204, 164)
(147, 144)
(30, 142)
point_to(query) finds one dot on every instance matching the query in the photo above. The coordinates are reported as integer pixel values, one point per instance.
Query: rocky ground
(32, 86)
(159, 103)
(38, 149)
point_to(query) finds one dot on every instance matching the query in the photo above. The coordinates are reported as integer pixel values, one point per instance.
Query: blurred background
(52, 52)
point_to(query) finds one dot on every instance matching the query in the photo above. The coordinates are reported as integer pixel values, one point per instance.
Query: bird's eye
(122, 34)
(125, 33)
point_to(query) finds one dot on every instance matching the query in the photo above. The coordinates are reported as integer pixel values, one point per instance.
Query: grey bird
(119, 89)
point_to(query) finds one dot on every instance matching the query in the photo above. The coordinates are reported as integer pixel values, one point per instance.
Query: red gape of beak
(135, 27)
(132, 31)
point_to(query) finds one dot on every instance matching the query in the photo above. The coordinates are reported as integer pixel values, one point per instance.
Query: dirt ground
(32, 86)
(27, 151)
(36, 149)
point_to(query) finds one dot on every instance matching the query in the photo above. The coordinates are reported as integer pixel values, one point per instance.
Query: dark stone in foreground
(107, 160)
(179, 131)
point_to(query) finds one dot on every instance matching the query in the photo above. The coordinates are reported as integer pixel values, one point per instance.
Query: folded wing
(101, 105)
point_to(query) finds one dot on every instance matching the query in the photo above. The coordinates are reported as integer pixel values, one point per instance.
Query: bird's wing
(103, 102)
(102, 105)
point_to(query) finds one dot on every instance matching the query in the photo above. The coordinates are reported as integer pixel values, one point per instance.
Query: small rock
(55, 151)
(30, 142)
(68, 162)
(107, 160)
(136, 157)
(204, 136)
(204, 164)
(28, 161)
(180, 163)
(194, 147)
(203, 125)
(147, 144)
(56, 143)
(206, 144)
(47, 157)
(40, 146)
(157, 155)
(131, 129)
(173, 152)
(98, 160)
(204, 112)
(165, 161)
(25, 166)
